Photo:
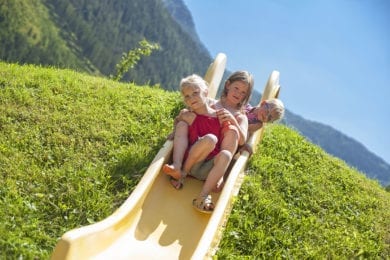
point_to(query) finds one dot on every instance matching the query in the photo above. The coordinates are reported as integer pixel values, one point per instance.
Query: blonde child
(268, 111)
(234, 130)
(203, 157)
(239, 85)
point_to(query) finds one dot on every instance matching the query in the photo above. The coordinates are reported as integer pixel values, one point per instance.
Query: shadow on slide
(157, 221)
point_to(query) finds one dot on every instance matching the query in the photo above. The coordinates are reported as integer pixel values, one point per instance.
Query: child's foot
(218, 188)
(172, 171)
(177, 176)
(203, 204)
(177, 184)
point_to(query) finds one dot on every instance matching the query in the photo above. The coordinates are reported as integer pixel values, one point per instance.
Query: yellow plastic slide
(157, 221)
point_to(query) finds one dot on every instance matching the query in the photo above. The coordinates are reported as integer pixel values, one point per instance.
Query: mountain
(340, 145)
(91, 36)
(183, 17)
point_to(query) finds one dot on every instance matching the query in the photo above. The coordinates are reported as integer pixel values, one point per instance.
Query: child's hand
(171, 136)
(178, 117)
(257, 111)
(186, 116)
(224, 115)
(248, 148)
(183, 111)
(254, 127)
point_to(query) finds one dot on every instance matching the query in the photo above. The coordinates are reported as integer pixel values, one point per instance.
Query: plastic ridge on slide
(157, 221)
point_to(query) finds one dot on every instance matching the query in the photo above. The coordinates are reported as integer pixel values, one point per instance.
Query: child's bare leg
(221, 163)
(180, 144)
(200, 150)
(229, 143)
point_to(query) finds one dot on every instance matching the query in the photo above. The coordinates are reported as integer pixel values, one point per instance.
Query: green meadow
(74, 146)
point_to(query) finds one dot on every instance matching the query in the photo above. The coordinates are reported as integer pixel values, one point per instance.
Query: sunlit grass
(298, 202)
(73, 147)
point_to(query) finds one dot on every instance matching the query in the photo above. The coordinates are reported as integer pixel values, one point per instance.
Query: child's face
(237, 91)
(194, 97)
(264, 112)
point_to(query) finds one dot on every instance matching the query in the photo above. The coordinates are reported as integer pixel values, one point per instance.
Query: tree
(130, 59)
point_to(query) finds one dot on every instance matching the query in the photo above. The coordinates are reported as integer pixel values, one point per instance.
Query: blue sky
(333, 57)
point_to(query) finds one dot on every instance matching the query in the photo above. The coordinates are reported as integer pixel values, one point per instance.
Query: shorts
(201, 169)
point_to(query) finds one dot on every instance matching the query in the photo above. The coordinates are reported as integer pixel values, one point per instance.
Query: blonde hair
(243, 76)
(276, 108)
(194, 81)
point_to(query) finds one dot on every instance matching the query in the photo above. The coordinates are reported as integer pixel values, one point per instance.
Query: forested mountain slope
(92, 36)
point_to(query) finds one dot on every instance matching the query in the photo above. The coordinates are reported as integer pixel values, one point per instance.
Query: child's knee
(210, 139)
(231, 132)
(224, 156)
(231, 136)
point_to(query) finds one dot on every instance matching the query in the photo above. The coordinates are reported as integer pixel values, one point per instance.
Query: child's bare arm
(253, 127)
(177, 119)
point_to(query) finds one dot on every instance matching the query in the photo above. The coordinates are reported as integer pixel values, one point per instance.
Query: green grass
(73, 147)
(298, 202)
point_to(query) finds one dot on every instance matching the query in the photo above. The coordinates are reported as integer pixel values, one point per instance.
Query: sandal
(203, 204)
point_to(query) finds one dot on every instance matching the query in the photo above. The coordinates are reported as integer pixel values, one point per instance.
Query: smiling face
(238, 87)
(237, 91)
(264, 113)
(270, 110)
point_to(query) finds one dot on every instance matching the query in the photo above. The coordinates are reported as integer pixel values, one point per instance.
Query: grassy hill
(91, 36)
(73, 146)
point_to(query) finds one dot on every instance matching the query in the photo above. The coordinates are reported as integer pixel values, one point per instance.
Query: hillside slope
(298, 202)
(91, 36)
(342, 146)
(73, 146)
